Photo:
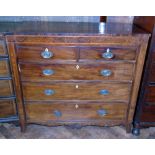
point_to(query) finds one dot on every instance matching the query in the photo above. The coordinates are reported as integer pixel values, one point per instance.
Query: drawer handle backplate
(106, 72)
(102, 112)
(49, 92)
(57, 113)
(48, 72)
(104, 92)
(47, 54)
(108, 54)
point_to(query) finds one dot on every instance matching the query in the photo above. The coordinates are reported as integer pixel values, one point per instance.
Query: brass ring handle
(49, 92)
(108, 54)
(47, 54)
(57, 113)
(48, 72)
(104, 92)
(106, 72)
(102, 112)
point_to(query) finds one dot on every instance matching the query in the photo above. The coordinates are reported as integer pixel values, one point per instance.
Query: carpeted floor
(10, 131)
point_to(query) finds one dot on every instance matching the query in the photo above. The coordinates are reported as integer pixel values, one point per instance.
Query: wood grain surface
(119, 53)
(80, 47)
(4, 68)
(151, 75)
(6, 88)
(150, 94)
(33, 53)
(7, 108)
(145, 111)
(120, 71)
(148, 114)
(17, 85)
(44, 112)
(78, 40)
(85, 91)
(2, 48)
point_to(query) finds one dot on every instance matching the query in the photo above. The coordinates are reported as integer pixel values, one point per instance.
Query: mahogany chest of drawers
(74, 73)
(8, 110)
(145, 111)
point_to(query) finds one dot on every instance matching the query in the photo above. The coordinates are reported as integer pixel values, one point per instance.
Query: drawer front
(2, 48)
(148, 113)
(45, 53)
(44, 112)
(7, 108)
(153, 53)
(150, 94)
(4, 68)
(102, 71)
(107, 54)
(152, 73)
(5, 88)
(76, 91)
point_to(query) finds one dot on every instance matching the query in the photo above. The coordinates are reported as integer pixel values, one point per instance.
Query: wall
(51, 18)
(120, 19)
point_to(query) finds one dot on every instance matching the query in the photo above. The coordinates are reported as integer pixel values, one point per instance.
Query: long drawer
(98, 71)
(6, 88)
(4, 68)
(7, 108)
(59, 111)
(46, 53)
(76, 91)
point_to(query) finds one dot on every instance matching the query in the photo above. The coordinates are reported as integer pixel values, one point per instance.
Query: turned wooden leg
(128, 128)
(22, 126)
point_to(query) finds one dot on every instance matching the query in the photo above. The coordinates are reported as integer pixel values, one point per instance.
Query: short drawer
(153, 54)
(3, 51)
(98, 71)
(46, 112)
(150, 94)
(6, 88)
(7, 108)
(76, 91)
(4, 68)
(152, 73)
(46, 53)
(148, 113)
(107, 53)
